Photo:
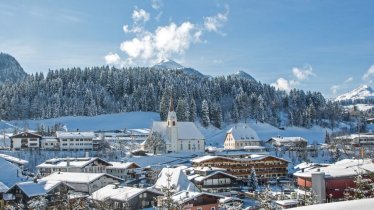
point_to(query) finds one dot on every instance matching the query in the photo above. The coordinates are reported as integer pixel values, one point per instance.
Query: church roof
(186, 130)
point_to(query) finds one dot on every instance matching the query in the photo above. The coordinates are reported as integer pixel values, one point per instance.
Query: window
(199, 208)
(181, 146)
(213, 208)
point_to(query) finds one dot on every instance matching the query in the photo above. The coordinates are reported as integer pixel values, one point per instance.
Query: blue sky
(325, 46)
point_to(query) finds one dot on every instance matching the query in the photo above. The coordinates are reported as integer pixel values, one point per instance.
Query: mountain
(167, 64)
(363, 92)
(242, 75)
(10, 69)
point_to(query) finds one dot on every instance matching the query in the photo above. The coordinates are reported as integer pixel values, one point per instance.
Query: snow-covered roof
(75, 135)
(363, 204)
(10, 174)
(205, 168)
(207, 157)
(119, 193)
(49, 139)
(287, 202)
(243, 132)
(343, 168)
(186, 130)
(3, 187)
(355, 136)
(250, 157)
(73, 162)
(202, 178)
(12, 159)
(42, 187)
(120, 165)
(178, 179)
(72, 177)
(185, 196)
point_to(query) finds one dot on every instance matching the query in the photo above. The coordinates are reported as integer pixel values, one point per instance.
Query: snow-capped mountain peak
(168, 64)
(362, 92)
(243, 75)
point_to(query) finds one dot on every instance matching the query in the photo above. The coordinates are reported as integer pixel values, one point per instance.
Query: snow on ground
(124, 120)
(363, 204)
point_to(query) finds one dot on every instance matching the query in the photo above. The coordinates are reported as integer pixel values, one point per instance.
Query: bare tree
(155, 142)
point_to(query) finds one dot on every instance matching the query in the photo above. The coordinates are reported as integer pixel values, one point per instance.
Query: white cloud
(349, 79)
(369, 73)
(303, 74)
(167, 41)
(112, 58)
(156, 4)
(214, 23)
(282, 84)
(140, 15)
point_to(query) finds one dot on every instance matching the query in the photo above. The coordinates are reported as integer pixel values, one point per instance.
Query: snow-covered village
(186, 105)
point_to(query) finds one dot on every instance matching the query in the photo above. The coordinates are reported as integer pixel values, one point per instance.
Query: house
(122, 170)
(331, 181)
(86, 165)
(360, 140)
(25, 140)
(76, 140)
(121, 197)
(266, 166)
(174, 177)
(3, 190)
(241, 136)
(197, 200)
(217, 182)
(49, 143)
(52, 190)
(179, 136)
(288, 142)
(84, 182)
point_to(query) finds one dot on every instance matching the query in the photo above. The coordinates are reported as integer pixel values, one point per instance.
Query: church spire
(171, 106)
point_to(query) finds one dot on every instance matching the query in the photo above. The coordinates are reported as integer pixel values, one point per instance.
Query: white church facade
(179, 136)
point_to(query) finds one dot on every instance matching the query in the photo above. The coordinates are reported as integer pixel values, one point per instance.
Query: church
(179, 136)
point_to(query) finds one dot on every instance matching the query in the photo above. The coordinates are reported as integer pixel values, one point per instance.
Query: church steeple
(171, 106)
(172, 116)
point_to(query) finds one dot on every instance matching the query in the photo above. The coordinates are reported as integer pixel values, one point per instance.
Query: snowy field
(118, 121)
(131, 120)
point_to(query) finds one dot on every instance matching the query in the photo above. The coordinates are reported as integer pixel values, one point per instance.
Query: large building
(240, 137)
(266, 166)
(25, 140)
(76, 140)
(331, 181)
(179, 136)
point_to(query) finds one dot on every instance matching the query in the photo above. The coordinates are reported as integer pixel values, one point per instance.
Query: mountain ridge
(10, 69)
(363, 92)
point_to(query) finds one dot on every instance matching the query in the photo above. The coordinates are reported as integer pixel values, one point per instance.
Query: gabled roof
(26, 135)
(73, 162)
(209, 157)
(120, 193)
(178, 179)
(186, 196)
(71, 177)
(282, 140)
(186, 130)
(243, 132)
(202, 178)
(31, 189)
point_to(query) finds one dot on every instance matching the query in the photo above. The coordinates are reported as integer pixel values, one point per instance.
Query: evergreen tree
(193, 110)
(205, 113)
(252, 180)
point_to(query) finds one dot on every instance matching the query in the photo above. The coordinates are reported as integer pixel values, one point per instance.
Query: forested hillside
(10, 69)
(213, 100)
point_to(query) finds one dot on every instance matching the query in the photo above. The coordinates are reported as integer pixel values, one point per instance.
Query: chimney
(116, 185)
(187, 194)
(35, 180)
(68, 162)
